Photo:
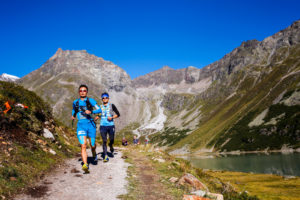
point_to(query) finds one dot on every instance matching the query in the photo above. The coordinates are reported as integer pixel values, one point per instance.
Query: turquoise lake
(274, 163)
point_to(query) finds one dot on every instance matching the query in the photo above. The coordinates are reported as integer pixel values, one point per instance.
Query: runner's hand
(109, 118)
(96, 118)
(88, 112)
(72, 118)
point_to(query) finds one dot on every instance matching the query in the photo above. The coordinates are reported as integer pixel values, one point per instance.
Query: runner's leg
(103, 132)
(81, 135)
(111, 138)
(92, 139)
(83, 151)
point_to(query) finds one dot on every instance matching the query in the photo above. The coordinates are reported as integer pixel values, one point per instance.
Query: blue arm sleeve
(95, 105)
(73, 110)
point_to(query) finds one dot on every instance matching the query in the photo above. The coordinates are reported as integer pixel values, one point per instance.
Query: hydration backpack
(88, 105)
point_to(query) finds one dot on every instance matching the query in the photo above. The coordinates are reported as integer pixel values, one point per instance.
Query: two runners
(86, 127)
(83, 108)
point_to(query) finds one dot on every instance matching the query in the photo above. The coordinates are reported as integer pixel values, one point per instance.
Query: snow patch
(8, 77)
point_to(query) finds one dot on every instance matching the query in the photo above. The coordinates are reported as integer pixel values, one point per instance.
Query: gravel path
(105, 181)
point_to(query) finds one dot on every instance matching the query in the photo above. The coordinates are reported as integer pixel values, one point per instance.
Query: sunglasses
(105, 98)
(82, 90)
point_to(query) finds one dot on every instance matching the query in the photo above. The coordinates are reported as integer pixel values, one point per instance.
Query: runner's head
(105, 97)
(83, 90)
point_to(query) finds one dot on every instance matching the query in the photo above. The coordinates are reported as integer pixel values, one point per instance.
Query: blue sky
(140, 36)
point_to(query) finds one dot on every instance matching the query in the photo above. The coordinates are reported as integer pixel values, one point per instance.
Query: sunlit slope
(31, 140)
(225, 121)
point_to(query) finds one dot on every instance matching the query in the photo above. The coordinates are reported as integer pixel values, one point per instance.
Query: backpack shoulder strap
(88, 104)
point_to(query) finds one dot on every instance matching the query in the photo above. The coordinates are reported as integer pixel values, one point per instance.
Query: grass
(169, 136)
(264, 186)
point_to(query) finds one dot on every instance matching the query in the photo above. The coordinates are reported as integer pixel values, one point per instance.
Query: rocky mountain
(8, 78)
(248, 100)
(248, 84)
(58, 79)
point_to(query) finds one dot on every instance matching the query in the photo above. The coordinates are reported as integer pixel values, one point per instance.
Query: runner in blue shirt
(83, 108)
(107, 125)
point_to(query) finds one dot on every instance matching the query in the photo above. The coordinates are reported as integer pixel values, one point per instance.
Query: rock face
(167, 75)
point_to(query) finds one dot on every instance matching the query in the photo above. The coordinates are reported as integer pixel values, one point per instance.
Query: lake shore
(146, 162)
(237, 152)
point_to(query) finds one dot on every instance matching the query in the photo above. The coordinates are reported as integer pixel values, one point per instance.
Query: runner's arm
(73, 111)
(98, 109)
(115, 111)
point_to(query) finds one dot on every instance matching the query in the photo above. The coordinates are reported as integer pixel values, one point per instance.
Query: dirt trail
(105, 181)
(148, 181)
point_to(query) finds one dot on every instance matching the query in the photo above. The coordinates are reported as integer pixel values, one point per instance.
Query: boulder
(193, 181)
(48, 134)
(193, 197)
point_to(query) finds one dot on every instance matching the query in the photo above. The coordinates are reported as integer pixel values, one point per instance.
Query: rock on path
(105, 181)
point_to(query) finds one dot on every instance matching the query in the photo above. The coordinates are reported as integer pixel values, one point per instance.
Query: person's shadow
(109, 154)
(91, 160)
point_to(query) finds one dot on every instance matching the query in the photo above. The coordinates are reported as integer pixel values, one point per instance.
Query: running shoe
(106, 159)
(85, 168)
(95, 156)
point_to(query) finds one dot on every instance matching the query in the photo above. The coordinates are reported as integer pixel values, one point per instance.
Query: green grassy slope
(25, 154)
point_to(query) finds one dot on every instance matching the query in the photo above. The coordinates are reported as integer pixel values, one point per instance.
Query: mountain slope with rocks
(218, 115)
(248, 96)
(31, 140)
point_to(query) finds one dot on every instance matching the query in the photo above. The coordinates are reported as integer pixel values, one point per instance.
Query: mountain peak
(166, 67)
(59, 51)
